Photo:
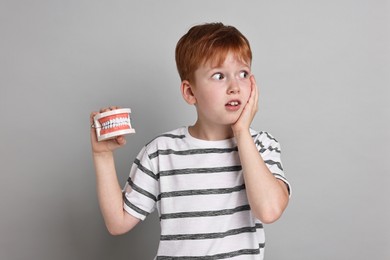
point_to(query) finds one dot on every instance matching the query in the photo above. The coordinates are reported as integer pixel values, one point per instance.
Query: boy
(213, 183)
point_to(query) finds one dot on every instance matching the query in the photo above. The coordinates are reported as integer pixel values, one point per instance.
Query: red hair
(209, 42)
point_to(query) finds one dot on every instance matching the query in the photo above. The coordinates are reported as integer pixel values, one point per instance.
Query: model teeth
(120, 121)
(233, 103)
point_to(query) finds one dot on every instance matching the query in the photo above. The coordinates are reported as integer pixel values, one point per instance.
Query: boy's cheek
(248, 92)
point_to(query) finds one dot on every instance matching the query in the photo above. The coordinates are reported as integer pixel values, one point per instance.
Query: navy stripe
(173, 136)
(196, 214)
(201, 170)
(259, 225)
(270, 148)
(193, 151)
(200, 236)
(273, 149)
(200, 192)
(145, 170)
(259, 143)
(140, 190)
(271, 162)
(213, 257)
(270, 137)
(135, 208)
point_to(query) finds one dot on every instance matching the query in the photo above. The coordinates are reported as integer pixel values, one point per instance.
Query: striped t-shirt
(198, 189)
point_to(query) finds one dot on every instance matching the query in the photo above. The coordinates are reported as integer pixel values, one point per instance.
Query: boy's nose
(233, 87)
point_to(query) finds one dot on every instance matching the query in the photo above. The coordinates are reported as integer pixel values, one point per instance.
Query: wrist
(242, 132)
(102, 155)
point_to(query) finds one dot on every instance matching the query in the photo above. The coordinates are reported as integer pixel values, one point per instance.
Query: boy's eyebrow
(244, 66)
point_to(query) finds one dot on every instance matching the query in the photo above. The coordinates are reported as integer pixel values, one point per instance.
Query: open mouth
(113, 123)
(233, 105)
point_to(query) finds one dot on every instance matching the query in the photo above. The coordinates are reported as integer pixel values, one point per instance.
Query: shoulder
(166, 139)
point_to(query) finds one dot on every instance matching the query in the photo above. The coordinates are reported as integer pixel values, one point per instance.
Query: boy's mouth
(233, 105)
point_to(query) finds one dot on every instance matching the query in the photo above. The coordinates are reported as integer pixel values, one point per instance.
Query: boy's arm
(109, 192)
(267, 195)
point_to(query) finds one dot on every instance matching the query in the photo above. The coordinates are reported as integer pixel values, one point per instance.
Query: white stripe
(206, 225)
(200, 181)
(204, 202)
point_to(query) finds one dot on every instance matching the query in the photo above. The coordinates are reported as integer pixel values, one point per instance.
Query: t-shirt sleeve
(141, 189)
(270, 151)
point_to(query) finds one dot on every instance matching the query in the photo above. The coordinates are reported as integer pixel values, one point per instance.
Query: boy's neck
(210, 133)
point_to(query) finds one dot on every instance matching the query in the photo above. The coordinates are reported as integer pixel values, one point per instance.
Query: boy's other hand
(108, 145)
(250, 109)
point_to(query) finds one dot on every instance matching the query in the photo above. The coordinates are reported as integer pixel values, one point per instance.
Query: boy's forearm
(268, 196)
(108, 190)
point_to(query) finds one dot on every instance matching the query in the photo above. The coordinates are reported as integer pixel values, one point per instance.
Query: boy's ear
(186, 92)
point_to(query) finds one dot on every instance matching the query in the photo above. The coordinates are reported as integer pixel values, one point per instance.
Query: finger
(92, 121)
(108, 109)
(116, 142)
(92, 115)
(255, 90)
(102, 110)
(121, 140)
(253, 83)
(93, 127)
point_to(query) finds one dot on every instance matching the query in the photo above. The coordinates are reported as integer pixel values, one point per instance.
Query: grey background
(323, 68)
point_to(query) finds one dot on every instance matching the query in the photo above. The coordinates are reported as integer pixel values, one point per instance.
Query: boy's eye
(244, 74)
(218, 76)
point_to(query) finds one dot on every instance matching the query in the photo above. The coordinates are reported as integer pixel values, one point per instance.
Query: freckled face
(221, 92)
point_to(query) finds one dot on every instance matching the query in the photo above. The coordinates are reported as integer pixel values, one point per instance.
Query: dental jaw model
(113, 123)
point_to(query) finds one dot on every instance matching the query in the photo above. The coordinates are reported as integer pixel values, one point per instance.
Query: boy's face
(221, 92)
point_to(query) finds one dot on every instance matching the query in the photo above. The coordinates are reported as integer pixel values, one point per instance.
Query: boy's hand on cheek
(248, 113)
